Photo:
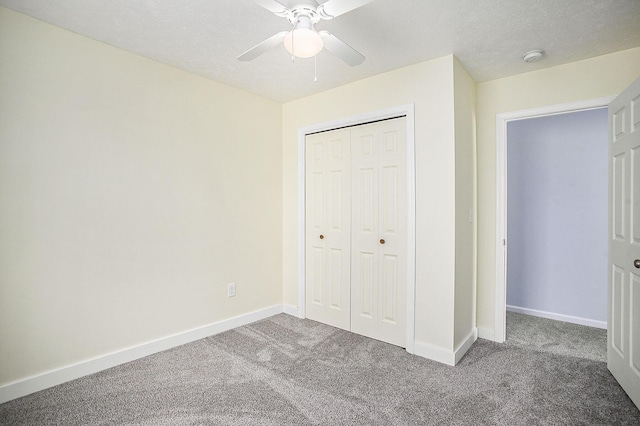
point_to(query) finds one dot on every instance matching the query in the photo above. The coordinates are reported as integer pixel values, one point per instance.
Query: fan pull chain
(315, 68)
(293, 45)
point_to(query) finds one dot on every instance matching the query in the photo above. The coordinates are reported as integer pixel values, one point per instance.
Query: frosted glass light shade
(303, 42)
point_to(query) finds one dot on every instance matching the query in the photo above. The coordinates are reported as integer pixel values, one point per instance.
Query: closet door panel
(328, 214)
(366, 275)
(364, 230)
(316, 266)
(315, 225)
(379, 230)
(393, 231)
(389, 289)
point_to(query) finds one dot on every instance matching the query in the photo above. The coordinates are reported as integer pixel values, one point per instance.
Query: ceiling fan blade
(272, 6)
(341, 49)
(333, 8)
(266, 45)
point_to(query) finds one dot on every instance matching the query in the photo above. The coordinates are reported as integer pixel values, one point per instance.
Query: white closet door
(328, 233)
(379, 231)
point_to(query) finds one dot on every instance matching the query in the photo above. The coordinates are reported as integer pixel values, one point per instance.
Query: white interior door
(379, 231)
(623, 336)
(328, 234)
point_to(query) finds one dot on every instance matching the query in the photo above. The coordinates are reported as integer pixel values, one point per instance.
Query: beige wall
(593, 78)
(130, 194)
(465, 144)
(429, 85)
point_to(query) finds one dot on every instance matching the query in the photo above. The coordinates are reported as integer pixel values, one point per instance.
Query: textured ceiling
(488, 36)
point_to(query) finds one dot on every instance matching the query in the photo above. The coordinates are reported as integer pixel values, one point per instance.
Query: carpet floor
(562, 338)
(287, 371)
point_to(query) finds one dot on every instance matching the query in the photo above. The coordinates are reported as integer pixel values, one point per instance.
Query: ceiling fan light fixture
(303, 43)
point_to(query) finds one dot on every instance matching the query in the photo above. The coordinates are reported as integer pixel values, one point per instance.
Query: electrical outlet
(231, 290)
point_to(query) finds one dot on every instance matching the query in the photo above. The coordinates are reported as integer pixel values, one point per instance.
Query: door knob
(636, 263)
(321, 237)
(381, 241)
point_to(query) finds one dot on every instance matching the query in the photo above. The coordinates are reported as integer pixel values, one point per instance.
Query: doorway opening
(557, 202)
(542, 165)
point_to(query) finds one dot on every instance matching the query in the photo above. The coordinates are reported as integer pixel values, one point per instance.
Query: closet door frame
(395, 112)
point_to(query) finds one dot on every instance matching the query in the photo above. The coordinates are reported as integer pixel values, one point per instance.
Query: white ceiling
(488, 36)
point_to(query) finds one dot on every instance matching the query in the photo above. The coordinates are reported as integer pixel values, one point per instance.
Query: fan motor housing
(308, 8)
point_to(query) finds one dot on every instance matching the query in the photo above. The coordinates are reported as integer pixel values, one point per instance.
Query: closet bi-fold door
(328, 233)
(379, 231)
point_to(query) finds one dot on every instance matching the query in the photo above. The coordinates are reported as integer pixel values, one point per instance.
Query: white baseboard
(557, 317)
(291, 310)
(55, 377)
(445, 356)
(434, 353)
(465, 345)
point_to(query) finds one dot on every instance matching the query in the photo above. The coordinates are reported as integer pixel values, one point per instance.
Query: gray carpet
(557, 337)
(284, 370)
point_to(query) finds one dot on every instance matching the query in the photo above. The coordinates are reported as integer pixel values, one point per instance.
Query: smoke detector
(533, 55)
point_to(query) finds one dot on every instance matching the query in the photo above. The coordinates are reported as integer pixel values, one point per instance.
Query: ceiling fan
(304, 41)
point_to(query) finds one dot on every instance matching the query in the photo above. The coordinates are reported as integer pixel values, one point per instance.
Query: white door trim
(502, 119)
(400, 111)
